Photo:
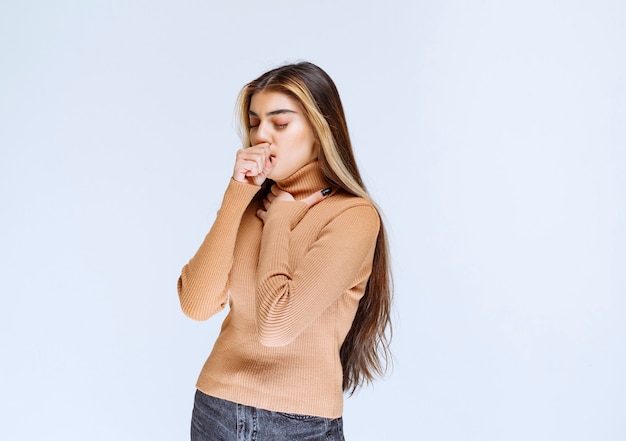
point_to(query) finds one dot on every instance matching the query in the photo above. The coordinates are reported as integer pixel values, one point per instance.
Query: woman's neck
(305, 181)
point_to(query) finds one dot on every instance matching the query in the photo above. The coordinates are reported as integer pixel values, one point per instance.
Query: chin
(276, 178)
(276, 175)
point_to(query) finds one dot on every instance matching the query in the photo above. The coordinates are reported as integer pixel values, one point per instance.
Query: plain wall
(491, 133)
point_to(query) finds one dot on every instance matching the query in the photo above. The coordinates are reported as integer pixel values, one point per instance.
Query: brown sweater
(294, 286)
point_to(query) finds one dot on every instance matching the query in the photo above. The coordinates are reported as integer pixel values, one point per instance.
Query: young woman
(298, 253)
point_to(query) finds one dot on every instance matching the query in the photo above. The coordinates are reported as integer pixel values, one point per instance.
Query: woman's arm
(290, 299)
(203, 283)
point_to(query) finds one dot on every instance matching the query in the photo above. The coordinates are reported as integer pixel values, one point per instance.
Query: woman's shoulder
(343, 212)
(342, 201)
(345, 199)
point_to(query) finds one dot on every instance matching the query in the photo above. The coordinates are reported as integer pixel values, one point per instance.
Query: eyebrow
(272, 113)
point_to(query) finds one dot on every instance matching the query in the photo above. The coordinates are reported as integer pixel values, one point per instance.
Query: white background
(492, 134)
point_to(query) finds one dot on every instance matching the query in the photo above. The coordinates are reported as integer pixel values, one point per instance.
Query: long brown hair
(365, 352)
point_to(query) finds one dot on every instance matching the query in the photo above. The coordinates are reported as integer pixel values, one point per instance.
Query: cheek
(308, 143)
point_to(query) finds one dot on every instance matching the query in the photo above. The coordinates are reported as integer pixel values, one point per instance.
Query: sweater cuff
(241, 190)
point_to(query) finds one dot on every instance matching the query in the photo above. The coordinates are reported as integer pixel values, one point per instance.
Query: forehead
(269, 100)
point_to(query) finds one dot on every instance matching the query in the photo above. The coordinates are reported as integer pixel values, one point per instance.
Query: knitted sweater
(292, 285)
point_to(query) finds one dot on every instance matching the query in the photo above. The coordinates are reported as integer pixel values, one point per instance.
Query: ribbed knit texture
(292, 285)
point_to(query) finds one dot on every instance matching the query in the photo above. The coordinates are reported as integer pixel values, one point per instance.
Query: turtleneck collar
(305, 181)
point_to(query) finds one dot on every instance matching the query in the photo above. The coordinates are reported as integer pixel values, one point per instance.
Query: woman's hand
(276, 194)
(253, 164)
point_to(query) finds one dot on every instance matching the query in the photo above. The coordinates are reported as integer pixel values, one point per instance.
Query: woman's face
(278, 119)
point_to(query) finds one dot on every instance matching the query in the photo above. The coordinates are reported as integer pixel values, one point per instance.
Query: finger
(268, 166)
(259, 155)
(261, 146)
(277, 192)
(259, 179)
(242, 170)
(317, 197)
(250, 153)
(263, 149)
(251, 165)
(258, 162)
(260, 213)
(266, 204)
(250, 168)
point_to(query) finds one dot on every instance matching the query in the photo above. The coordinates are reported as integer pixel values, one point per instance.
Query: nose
(262, 134)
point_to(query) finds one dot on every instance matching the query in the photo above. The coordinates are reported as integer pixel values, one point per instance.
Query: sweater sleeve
(290, 299)
(203, 283)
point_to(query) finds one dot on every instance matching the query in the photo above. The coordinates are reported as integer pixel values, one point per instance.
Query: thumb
(318, 196)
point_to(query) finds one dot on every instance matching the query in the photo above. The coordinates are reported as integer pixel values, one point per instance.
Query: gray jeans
(214, 419)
